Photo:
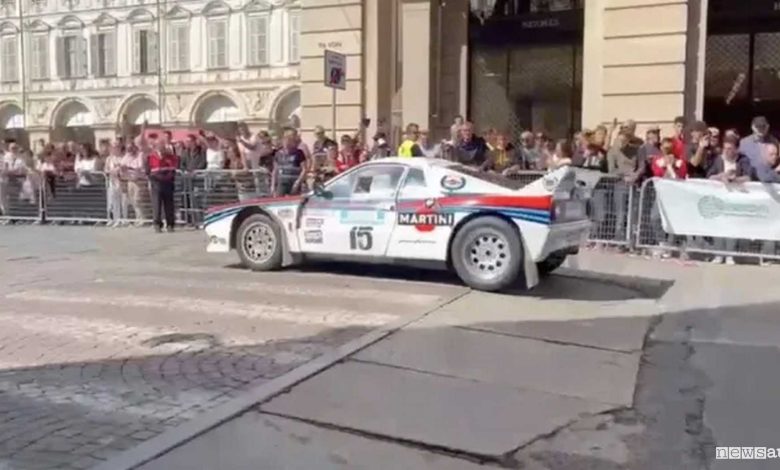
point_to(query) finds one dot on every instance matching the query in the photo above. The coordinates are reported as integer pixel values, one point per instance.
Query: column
(634, 64)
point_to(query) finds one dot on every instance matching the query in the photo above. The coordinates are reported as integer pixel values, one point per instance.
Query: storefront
(742, 74)
(526, 65)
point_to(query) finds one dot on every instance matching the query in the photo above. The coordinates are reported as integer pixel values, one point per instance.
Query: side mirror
(320, 191)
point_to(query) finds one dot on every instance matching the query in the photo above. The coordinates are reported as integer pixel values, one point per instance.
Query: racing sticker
(453, 182)
(361, 217)
(286, 213)
(313, 222)
(426, 221)
(313, 236)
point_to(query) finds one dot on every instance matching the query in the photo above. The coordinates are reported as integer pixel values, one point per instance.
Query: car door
(355, 215)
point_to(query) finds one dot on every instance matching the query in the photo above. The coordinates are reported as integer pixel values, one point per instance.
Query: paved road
(109, 337)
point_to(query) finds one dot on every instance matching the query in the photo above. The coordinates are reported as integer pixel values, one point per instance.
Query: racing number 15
(361, 238)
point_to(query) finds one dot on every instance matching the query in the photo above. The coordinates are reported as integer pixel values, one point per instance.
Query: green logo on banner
(711, 207)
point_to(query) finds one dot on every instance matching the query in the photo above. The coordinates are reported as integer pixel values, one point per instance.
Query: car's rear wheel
(553, 261)
(259, 243)
(487, 253)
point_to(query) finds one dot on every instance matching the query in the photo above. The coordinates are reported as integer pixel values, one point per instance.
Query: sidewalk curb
(179, 435)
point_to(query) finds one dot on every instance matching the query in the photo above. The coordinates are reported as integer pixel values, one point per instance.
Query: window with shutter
(217, 46)
(152, 52)
(81, 44)
(293, 51)
(139, 43)
(9, 58)
(38, 57)
(109, 53)
(60, 54)
(178, 40)
(94, 55)
(257, 40)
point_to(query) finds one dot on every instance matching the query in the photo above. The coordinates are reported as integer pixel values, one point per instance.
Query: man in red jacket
(162, 165)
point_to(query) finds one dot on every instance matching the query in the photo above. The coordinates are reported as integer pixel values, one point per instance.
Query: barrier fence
(623, 215)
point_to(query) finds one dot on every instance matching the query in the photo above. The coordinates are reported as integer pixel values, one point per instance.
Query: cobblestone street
(110, 337)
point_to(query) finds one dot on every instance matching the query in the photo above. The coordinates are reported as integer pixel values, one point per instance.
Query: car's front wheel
(553, 261)
(487, 253)
(259, 243)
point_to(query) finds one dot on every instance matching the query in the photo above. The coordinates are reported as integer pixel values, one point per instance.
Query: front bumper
(218, 235)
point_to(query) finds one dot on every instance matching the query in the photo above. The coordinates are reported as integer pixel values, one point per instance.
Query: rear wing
(564, 183)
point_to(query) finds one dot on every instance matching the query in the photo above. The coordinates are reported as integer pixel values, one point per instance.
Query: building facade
(85, 69)
(553, 65)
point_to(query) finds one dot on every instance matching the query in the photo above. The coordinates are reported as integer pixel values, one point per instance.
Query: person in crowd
(678, 138)
(602, 136)
(409, 147)
(714, 134)
(471, 149)
(651, 148)
(167, 142)
(457, 123)
(350, 154)
(11, 166)
(752, 145)
(86, 166)
(289, 165)
(623, 161)
(768, 171)
(239, 172)
(193, 156)
(731, 167)
(215, 153)
(162, 165)
(670, 165)
(490, 135)
(133, 171)
(562, 156)
(733, 133)
(117, 188)
(527, 153)
(429, 149)
(629, 128)
(250, 147)
(48, 168)
(321, 141)
(593, 156)
(380, 148)
(700, 154)
(501, 158)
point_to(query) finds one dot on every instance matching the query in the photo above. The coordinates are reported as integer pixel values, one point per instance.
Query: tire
(487, 254)
(259, 243)
(551, 263)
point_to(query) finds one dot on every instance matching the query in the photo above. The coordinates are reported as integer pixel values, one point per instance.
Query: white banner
(710, 208)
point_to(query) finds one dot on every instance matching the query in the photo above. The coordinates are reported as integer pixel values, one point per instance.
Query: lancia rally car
(417, 211)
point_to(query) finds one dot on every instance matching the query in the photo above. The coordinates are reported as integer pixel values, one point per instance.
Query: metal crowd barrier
(651, 236)
(78, 197)
(208, 188)
(20, 197)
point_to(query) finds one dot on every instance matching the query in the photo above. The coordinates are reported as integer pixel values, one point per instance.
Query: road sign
(335, 70)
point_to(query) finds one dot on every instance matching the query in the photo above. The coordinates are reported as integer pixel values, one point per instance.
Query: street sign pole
(335, 79)
(333, 115)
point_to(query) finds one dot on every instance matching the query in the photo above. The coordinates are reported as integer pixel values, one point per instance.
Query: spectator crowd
(143, 170)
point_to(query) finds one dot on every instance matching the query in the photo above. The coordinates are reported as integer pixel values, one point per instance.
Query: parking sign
(335, 70)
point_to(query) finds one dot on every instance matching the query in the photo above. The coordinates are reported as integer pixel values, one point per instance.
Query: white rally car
(417, 211)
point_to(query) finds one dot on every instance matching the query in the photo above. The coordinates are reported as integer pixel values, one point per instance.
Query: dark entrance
(526, 66)
(742, 74)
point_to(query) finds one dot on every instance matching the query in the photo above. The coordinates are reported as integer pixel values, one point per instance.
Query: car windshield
(494, 178)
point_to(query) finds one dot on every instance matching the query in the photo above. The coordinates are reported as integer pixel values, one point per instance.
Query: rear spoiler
(563, 182)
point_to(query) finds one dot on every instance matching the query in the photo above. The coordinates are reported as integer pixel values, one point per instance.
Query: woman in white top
(117, 195)
(85, 166)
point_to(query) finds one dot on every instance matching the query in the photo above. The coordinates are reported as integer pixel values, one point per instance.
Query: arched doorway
(219, 114)
(287, 112)
(12, 125)
(73, 121)
(137, 111)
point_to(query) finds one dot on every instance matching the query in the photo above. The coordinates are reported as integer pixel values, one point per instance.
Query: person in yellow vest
(409, 147)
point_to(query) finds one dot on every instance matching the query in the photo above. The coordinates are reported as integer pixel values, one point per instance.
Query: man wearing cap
(700, 154)
(753, 145)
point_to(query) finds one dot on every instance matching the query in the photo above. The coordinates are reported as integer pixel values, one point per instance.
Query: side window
(375, 182)
(414, 185)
